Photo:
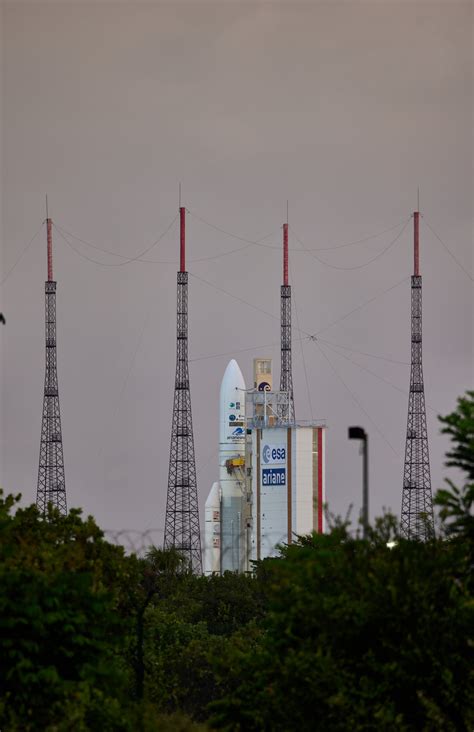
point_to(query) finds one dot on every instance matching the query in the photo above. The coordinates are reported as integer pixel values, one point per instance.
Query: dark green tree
(156, 577)
(60, 631)
(358, 636)
(456, 503)
(460, 426)
(224, 603)
(184, 622)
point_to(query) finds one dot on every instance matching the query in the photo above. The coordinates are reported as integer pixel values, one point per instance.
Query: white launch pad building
(271, 485)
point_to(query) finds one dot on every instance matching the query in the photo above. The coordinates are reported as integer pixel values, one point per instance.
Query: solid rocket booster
(226, 499)
(212, 531)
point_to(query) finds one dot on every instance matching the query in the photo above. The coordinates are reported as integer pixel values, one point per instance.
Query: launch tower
(286, 376)
(51, 483)
(417, 506)
(182, 513)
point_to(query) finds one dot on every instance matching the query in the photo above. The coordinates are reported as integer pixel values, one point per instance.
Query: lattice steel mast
(286, 376)
(182, 512)
(417, 506)
(51, 483)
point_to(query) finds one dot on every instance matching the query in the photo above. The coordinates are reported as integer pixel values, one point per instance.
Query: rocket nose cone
(213, 497)
(233, 376)
(232, 406)
(231, 368)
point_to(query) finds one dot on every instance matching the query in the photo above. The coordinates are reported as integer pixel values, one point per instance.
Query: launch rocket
(224, 520)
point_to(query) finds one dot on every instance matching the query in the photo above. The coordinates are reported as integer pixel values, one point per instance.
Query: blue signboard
(273, 476)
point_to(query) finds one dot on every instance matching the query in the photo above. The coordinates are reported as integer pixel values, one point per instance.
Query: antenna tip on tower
(182, 238)
(285, 254)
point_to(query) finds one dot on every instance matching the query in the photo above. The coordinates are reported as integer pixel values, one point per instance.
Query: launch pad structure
(271, 484)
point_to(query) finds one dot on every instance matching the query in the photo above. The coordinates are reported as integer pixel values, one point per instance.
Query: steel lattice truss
(417, 507)
(51, 483)
(286, 376)
(182, 513)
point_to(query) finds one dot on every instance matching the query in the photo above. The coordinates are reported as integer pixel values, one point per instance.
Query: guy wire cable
(117, 264)
(423, 218)
(26, 248)
(356, 400)
(358, 266)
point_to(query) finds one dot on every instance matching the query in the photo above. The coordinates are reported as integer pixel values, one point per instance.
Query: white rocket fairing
(226, 499)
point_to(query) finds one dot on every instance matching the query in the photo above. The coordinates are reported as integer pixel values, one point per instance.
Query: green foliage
(155, 576)
(186, 625)
(60, 633)
(357, 636)
(456, 510)
(179, 673)
(224, 603)
(460, 426)
(456, 504)
(149, 720)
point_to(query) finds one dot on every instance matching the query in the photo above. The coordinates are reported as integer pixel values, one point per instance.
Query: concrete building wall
(303, 480)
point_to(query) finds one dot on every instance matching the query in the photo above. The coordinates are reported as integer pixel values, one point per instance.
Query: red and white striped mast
(51, 488)
(417, 520)
(182, 512)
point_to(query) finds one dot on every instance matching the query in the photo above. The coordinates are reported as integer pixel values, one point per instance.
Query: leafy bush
(60, 634)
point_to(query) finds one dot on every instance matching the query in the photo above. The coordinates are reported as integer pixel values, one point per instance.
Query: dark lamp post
(358, 433)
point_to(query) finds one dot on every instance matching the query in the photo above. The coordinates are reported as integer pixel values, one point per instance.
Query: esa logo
(273, 454)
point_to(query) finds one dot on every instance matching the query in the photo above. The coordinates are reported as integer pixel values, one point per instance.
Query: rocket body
(231, 475)
(229, 494)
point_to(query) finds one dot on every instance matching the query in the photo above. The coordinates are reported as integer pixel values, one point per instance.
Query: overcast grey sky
(344, 108)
